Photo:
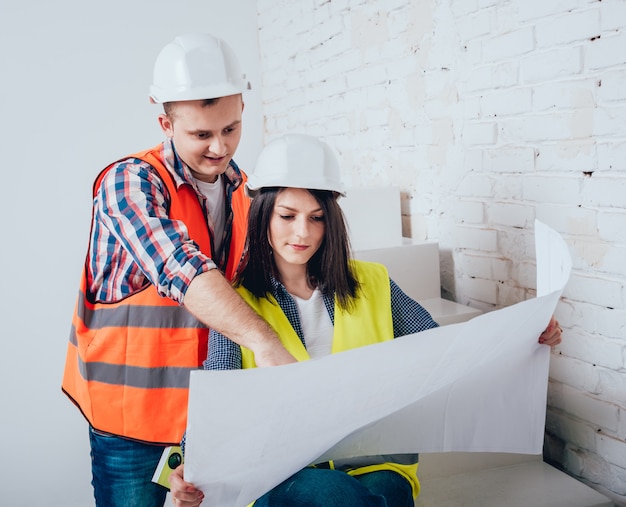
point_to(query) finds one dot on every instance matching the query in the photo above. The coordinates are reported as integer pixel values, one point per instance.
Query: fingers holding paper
(184, 494)
(552, 334)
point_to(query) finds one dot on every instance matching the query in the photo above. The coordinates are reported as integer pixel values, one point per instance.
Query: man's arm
(212, 300)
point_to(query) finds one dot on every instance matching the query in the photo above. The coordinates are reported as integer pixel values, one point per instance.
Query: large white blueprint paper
(475, 386)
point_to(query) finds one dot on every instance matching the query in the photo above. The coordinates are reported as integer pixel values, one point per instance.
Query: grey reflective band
(378, 459)
(160, 317)
(136, 376)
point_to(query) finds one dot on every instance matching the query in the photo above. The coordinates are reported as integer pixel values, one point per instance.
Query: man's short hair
(170, 107)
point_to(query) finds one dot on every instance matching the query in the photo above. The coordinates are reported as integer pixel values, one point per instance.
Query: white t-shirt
(214, 192)
(316, 324)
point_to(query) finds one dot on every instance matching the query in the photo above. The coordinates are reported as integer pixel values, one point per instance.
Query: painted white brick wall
(487, 114)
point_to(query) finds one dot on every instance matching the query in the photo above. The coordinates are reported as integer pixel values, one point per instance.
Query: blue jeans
(314, 487)
(122, 472)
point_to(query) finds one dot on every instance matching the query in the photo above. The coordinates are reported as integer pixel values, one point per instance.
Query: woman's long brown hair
(328, 269)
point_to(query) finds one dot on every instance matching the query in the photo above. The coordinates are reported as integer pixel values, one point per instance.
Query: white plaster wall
(74, 80)
(487, 114)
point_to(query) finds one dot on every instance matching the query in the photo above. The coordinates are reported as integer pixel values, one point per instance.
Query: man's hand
(272, 354)
(214, 302)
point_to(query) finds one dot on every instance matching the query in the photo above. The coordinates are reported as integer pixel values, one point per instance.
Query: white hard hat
(298, 161)
(195, 67)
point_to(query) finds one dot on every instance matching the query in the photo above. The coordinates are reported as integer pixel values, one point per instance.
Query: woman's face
(297, 227)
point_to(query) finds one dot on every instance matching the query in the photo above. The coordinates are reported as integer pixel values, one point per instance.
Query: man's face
(205, 136)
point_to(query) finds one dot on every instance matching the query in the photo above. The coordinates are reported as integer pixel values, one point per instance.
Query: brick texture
(487, 115)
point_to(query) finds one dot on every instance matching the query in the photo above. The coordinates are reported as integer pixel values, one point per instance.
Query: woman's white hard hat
(297, 161)
(196, 66)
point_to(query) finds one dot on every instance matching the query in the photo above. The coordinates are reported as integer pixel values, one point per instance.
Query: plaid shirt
(133, 240)
(408, 317)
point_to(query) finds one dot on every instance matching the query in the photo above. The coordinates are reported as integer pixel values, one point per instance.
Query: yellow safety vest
(369, 322)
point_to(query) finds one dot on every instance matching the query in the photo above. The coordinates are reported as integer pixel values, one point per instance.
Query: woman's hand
(552, 334)
(184, 494)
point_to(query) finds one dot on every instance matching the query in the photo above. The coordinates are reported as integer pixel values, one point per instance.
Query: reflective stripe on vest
(128, 362)
(135, 316)
(378, 459)
(369, 322)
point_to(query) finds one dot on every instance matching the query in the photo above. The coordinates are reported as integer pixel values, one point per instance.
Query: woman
(300, 278)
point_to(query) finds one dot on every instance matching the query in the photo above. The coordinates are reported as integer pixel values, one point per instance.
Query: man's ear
(167, 125)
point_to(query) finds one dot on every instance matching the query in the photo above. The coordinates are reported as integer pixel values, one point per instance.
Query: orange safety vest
(128, 363)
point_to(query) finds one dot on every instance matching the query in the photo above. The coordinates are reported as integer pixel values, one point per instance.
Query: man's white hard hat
(298, 161)
(196, 66)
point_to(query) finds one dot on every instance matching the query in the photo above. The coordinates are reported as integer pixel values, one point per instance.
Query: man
(167, 234)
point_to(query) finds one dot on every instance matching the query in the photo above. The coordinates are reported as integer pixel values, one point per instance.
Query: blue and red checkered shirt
(133, 240)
